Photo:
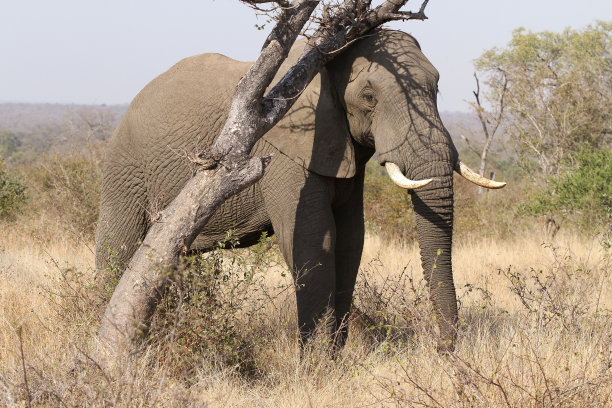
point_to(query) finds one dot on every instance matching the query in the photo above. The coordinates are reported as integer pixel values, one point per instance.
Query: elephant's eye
(368, 97)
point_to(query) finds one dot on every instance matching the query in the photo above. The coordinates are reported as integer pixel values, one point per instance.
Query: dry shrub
(391, 309)
(222, 338)
(66, 190)
(213, 317)
(536, 333)
(494, 213)
(211, 307)
(563, 293)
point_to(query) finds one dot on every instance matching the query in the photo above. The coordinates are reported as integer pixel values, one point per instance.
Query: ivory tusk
(398, 178)
(476, 178)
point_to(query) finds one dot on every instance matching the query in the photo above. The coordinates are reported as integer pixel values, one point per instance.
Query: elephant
(377, 98)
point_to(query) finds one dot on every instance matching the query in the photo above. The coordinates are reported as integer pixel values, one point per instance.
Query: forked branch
(490, 121)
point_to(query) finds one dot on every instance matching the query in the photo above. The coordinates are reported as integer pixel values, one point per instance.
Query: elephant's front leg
(299, 205)
(350, 231)
(313, 263)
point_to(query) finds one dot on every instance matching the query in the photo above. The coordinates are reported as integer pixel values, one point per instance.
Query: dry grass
(481, 262)
(550, 349)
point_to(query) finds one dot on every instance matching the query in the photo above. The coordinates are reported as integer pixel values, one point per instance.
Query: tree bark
(227, 168)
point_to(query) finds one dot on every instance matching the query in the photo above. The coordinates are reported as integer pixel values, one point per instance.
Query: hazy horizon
(78, 53)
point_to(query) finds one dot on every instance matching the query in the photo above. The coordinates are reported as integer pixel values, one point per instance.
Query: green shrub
(582, 193)
(12, 194)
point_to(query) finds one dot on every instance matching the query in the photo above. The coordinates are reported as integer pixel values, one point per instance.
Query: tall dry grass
(536, 330)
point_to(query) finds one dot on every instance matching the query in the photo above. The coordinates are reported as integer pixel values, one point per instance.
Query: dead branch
(489, 123)
(272, 6)
(281, 3)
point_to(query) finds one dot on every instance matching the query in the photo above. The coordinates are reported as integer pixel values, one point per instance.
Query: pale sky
(95, 52)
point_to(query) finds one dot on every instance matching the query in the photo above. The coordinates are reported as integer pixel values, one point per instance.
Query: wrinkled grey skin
(378, 96)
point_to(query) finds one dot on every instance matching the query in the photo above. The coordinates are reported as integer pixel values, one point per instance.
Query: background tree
(559, 92)
(10, 142)
(581, 193)
(489, 119)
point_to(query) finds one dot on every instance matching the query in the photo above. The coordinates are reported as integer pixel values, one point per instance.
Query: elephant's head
(380, 96)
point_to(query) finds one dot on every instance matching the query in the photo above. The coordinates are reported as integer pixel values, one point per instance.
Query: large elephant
(378, 96)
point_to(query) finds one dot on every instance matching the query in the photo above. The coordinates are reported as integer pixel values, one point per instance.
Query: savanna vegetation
(531, 264)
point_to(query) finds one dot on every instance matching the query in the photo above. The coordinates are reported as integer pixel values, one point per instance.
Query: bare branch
(470, 145)
(502, 97)
(281, 3)
(246, 104)
(480, 111)
(336, 30)
(485, 121)
(409, 15)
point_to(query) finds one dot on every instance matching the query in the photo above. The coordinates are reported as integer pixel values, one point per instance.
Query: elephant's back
(182, 110)
(186, 104)
(200, 80)
(193, 94)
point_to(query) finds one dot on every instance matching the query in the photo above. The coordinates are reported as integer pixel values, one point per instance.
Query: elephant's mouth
(396, 175)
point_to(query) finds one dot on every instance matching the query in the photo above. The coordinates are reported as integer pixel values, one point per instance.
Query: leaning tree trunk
(227, 168)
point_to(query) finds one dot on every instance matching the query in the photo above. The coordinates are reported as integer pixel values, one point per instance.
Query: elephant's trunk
(426, 151)
(433, 207)
(433, 156)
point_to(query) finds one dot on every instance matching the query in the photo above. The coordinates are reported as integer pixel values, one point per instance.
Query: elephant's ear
(315, 133)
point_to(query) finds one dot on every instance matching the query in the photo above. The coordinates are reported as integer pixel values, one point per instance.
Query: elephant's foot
(328, 335)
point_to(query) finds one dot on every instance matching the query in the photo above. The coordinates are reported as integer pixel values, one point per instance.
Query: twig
(23, 365)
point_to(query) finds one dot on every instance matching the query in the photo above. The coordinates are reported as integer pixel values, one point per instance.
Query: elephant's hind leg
(122, 224)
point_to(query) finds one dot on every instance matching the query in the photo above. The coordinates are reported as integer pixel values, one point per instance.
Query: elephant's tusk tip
(476, 178)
